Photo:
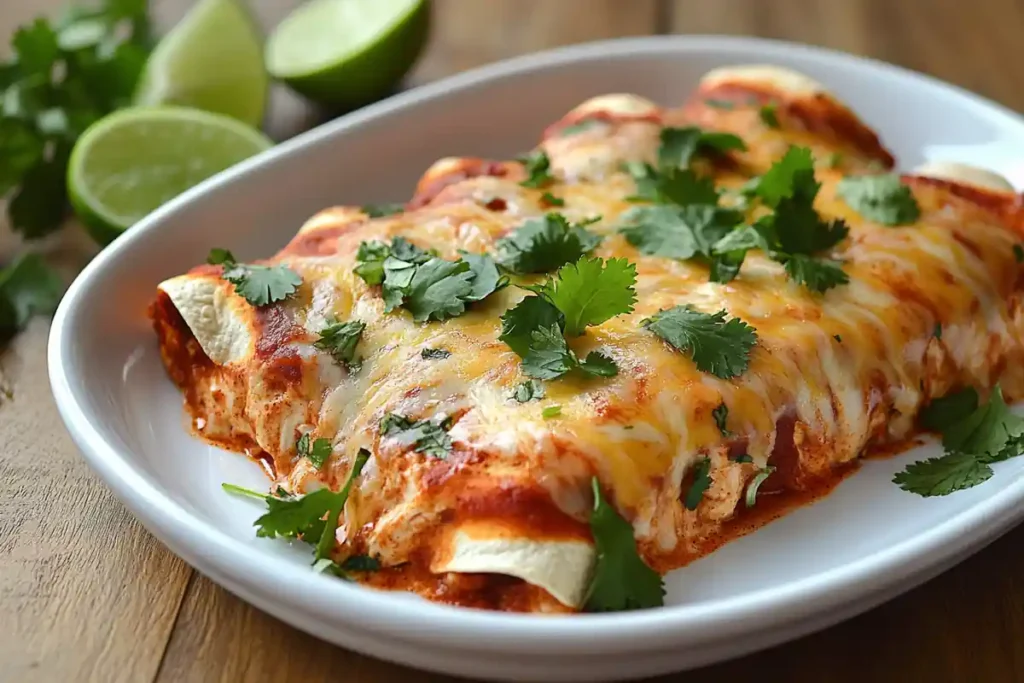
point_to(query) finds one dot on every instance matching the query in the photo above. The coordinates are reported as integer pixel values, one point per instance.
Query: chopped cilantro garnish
(741, 458)
(551, 200)
(360, 563)
(519, 322)
(551, 411)
(538, 169)
(834, 160)
(769, 115)
(678, 232)
(1018, 253)
(340, 340)
(837, 338)
(425, 436)
(671, 186)
(974, 436)
(549, 357)
(434, 354)
(881, 198)
(621, 579)
(755, 484)
(381, 210)
(701, 483)
(816, 274)
(28, 287)
(937, 331)
(259, 285)
(429, 287)
(680, 145)
(541, 245)
(721, 415)
(527, 391)
(316, 452)
(716, 345)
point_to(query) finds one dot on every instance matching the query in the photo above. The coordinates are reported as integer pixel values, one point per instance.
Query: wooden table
(93, 597)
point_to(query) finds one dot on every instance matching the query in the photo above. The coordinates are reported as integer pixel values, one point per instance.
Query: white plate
(865, 543)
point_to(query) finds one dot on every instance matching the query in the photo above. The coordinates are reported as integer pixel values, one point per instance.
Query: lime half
(347, 53)
(129, 163)
(212, 60)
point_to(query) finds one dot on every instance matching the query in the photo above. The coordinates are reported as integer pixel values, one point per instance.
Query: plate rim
(326, 599)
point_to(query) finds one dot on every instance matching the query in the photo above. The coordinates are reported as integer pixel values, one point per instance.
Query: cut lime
(347, 53)
(129, 163)
(212, 60)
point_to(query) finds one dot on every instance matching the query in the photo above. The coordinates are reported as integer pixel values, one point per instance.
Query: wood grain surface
(90, 596)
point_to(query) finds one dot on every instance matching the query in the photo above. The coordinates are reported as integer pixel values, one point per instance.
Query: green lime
(347, 53)
(212, 60)
(134, 160)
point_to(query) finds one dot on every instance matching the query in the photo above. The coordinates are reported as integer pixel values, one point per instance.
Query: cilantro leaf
(684, 187)
(381, 210)
(1018, 253)
(360, 563)
(404, 250)
(541, 245)
(943, 475)
(327, 537)
(816, 274)
(486, 278)
(429, 437)
(371, 257)
(701, 483)
(435, 354)
(591, 291)
(599, 365)
(218, 257)
(716, 345)
(340, 339)
(791, 176)
(527, 391)
(28, 287)
(548, 356)
(680, 145)
(551, 411)
(768, 114)
(259, 285)
(721, 416)
(439, 289)
(881, 198)
(519, 322)
(538, 169)
(681, 233)
(974, 436)
(621, 580)
(316, 452)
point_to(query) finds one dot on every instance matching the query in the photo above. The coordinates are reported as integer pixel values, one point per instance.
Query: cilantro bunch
(62, 78)
(540, 245)
(28, 287)
(429, 287)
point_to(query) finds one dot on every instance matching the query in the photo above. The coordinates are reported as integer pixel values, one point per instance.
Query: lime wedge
(212, 60)
(347, 53)
(132, 161)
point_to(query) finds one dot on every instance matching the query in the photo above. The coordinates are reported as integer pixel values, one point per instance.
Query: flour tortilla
(965, 174)
(223, 322)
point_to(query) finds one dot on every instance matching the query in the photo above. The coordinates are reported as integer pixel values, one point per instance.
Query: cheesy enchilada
(636, 330)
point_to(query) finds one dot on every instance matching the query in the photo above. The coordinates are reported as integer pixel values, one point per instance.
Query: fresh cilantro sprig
(312, 518)
(316, 451)
(28, 287)
(529, 390)
(541, 245)
(429, 287)
(974, 436)
(425, 436)
(588, 292)
(882, 198)
(716, 345)
(679, 146)
(259, 285)
(701, 483)
(340, 340)
(538, 169)
(62, 77)
(721, 417)
(621, 579)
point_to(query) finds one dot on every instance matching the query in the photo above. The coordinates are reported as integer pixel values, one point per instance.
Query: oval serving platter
(866, 542)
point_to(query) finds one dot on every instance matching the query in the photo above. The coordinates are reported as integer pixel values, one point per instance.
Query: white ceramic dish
(865, 543)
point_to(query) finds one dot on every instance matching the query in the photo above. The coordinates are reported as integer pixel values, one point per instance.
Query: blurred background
(126, 609)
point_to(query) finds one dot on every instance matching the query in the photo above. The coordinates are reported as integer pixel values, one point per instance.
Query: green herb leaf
(219, 257)
(327, 537)
(717, 346)
(529, 390)
(519, 322)
(701, 483)
(548, 356)
(538, 169)
(680, 145)
(791, 176)
(317, 452)
(580, 127)
(741, 458)
(360, 563)
(721, 415)
(542, 245)
(262, 285)
(950, 409)
(550, 412)
(943, 475)
(381, 210)
(591, 291)
(769, 115)
(425, 436)
(755, 484)
(621, 580)
(599, 365)
(439, 289)
(28, 287)
(680, 233)
(434, 354)
(880, 198)
(551, 200)
(816, 274)
(486, 278)
(340, 340)
(1018, 253)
